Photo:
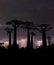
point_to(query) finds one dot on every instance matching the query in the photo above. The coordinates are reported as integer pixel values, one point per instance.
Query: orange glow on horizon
(39, 42)
(6, 43)
(23, 43)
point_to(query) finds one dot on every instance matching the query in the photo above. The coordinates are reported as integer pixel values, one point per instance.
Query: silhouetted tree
(49, 40)
(9, 31)
(32, 34)
(15, 24)
(43, 29)
(28, 27)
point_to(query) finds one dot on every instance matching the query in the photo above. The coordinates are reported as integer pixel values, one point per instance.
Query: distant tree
(15, 24)
(28, 27)
(43, 28)
(9, 31)
(32, 35)
(49, 40)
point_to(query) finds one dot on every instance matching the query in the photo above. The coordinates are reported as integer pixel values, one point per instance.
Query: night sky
(37, 11)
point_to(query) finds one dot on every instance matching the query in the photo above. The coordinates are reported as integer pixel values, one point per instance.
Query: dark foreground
(49, 51)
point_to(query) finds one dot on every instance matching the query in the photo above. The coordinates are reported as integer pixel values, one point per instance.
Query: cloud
(31, 10)
(22, 9)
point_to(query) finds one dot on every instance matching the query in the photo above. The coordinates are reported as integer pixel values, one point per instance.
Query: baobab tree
(49, 40)
(9, 31)
(32, 35)
(28, 27)
(43, 28)
(15, 24)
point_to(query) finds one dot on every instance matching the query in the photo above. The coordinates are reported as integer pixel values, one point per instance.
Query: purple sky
(38, 11)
